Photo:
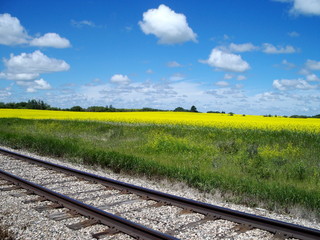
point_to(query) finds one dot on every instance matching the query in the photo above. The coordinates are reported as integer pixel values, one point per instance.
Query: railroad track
(127, 208)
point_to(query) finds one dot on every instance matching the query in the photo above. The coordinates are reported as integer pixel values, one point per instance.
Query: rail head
(271, 225)
(123, 225)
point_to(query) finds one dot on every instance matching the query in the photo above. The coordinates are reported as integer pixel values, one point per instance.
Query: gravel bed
(27, 223)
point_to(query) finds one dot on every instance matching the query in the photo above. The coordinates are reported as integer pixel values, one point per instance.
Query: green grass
(278, 168)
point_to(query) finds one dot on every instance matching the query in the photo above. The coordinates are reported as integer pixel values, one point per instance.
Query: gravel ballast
(27, 223)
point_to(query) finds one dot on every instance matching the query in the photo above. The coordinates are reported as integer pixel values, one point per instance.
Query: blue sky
(252, 57)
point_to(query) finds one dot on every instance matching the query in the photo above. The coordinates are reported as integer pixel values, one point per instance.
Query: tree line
(41, 105)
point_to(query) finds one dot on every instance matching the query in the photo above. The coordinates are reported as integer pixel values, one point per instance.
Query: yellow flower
(174, 118)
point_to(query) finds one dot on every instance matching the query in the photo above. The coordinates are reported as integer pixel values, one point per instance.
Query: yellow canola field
(174, 118)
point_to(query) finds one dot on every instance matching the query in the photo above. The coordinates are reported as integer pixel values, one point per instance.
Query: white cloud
(306, 7)
(80, 24)
(50, 40)
(120, 79)
(294, 34)
(34, 63)
(287, 64)
(173, 64)
(312, 64)
(39, 85)
(292, 84)
(6, 92)
(28, 66)
(34, 86)
(18, 76)
(241, 77)
(227, 76)
(245, 47)
(304, 71)
(226, 61)
(271, 49)
(170, 27)
(149, 71)
(312, 77)
(11, 31)
(177, 77)
(238, 86)
(222, 84)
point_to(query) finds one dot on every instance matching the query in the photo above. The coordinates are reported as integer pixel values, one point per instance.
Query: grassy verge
(280, 168)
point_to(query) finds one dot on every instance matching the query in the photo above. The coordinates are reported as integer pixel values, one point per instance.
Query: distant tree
(56, 109)
(213, 112)
(96, 109)
(180, 109)
(231, 113)
(37, 104)
(10, 105)
(148, 109)
(76, 109)
(112, 109)
(298, 116)
(193, 109)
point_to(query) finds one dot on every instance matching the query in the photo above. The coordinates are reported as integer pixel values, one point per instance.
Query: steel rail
(115, 222)
(254, 221)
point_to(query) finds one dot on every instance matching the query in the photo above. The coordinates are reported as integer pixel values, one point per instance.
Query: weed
(279, 167)
(229, 146)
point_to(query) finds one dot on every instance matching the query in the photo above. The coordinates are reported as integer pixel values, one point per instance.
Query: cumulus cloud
(11, 31)
(245, 47)
(120, 79)
(288, 64)
(226, 61)
(241, 77)
(18, 76)
(312, 77)
(271, 49)
(28, 66)
(228, 76)
(39, 85)
(222, 84)
(306, 7)
(265, 47)
(50, 40)
(170, 27)
(173, 64)
(5, 92)
(34, 86)
(303, 7)
(312, 64)
(292, 84)
(132, 94)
